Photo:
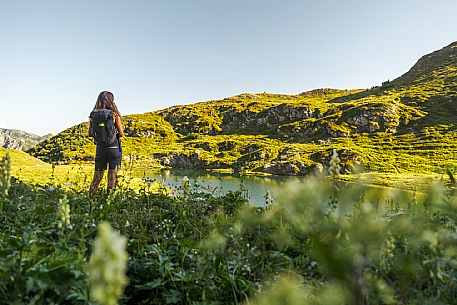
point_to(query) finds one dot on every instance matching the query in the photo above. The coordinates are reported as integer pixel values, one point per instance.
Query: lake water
(257, 190)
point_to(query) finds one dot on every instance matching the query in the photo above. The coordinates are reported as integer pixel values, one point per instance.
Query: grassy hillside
(143, 133)
(74, 177)
(34, 171)
(403, 126)
(249, 113)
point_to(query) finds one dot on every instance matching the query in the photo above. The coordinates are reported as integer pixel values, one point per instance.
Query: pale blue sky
(57, 55)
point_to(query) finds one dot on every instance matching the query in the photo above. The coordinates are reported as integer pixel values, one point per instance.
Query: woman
(105, 126)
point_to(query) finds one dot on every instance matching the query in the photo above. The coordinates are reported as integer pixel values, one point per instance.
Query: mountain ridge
(20, 140)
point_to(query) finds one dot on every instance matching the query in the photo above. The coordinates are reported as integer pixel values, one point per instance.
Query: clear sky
(57, 55)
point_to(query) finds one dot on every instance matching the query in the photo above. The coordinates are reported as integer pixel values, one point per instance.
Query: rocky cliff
(19, 140)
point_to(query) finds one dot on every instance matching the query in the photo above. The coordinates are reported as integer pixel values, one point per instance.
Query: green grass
(34, 171)
(72, 177)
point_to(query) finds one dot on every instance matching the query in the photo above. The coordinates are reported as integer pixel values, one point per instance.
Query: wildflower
(111, 197)
(186, 184)
(107, 277)
(215, 241)
(64, 212)
(387, 253)
(5, 175)
(335, 166)
(268, 199)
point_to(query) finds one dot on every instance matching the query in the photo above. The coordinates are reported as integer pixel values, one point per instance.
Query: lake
(256, 189)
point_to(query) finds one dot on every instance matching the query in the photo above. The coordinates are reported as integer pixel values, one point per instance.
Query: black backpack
(103, 128)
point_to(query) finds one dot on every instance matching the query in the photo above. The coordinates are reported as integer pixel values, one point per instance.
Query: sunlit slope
(34, 171)
(144, 134)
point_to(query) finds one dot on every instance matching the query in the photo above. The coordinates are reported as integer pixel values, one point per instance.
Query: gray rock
(19, 140)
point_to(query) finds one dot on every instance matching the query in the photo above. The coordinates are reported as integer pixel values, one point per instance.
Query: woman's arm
(118, 122)
(90, 129)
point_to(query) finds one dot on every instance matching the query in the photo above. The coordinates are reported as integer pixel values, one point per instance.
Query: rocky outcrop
(313, 130)
(183, 161)
(189, 161)
(226, 145)
(349, 159)
(8, 142)
(256, 158)
(344, 121)
(248, 121)
(249, 115)
(203, 145)
(19, 140)
(232, 119)
(372, 118)
(290, 168)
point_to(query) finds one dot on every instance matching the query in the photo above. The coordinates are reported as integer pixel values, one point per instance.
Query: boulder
(226, 145)
(183, 161)
(349, 159)
(290, 168)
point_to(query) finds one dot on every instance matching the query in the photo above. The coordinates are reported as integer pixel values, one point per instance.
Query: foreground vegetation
(323, 243)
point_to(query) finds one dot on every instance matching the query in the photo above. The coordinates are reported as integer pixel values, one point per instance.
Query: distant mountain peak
(19, 140)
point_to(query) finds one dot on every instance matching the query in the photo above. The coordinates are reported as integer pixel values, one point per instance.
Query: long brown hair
(105, 100)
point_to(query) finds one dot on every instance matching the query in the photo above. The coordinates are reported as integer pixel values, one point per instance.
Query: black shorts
(108, 156)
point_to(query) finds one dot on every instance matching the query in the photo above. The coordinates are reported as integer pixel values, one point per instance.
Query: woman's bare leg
(112, 179)
(98, 176)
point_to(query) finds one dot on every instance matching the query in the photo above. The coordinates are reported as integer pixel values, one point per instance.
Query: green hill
(34, 171)
(405, 125)
(144, 133)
